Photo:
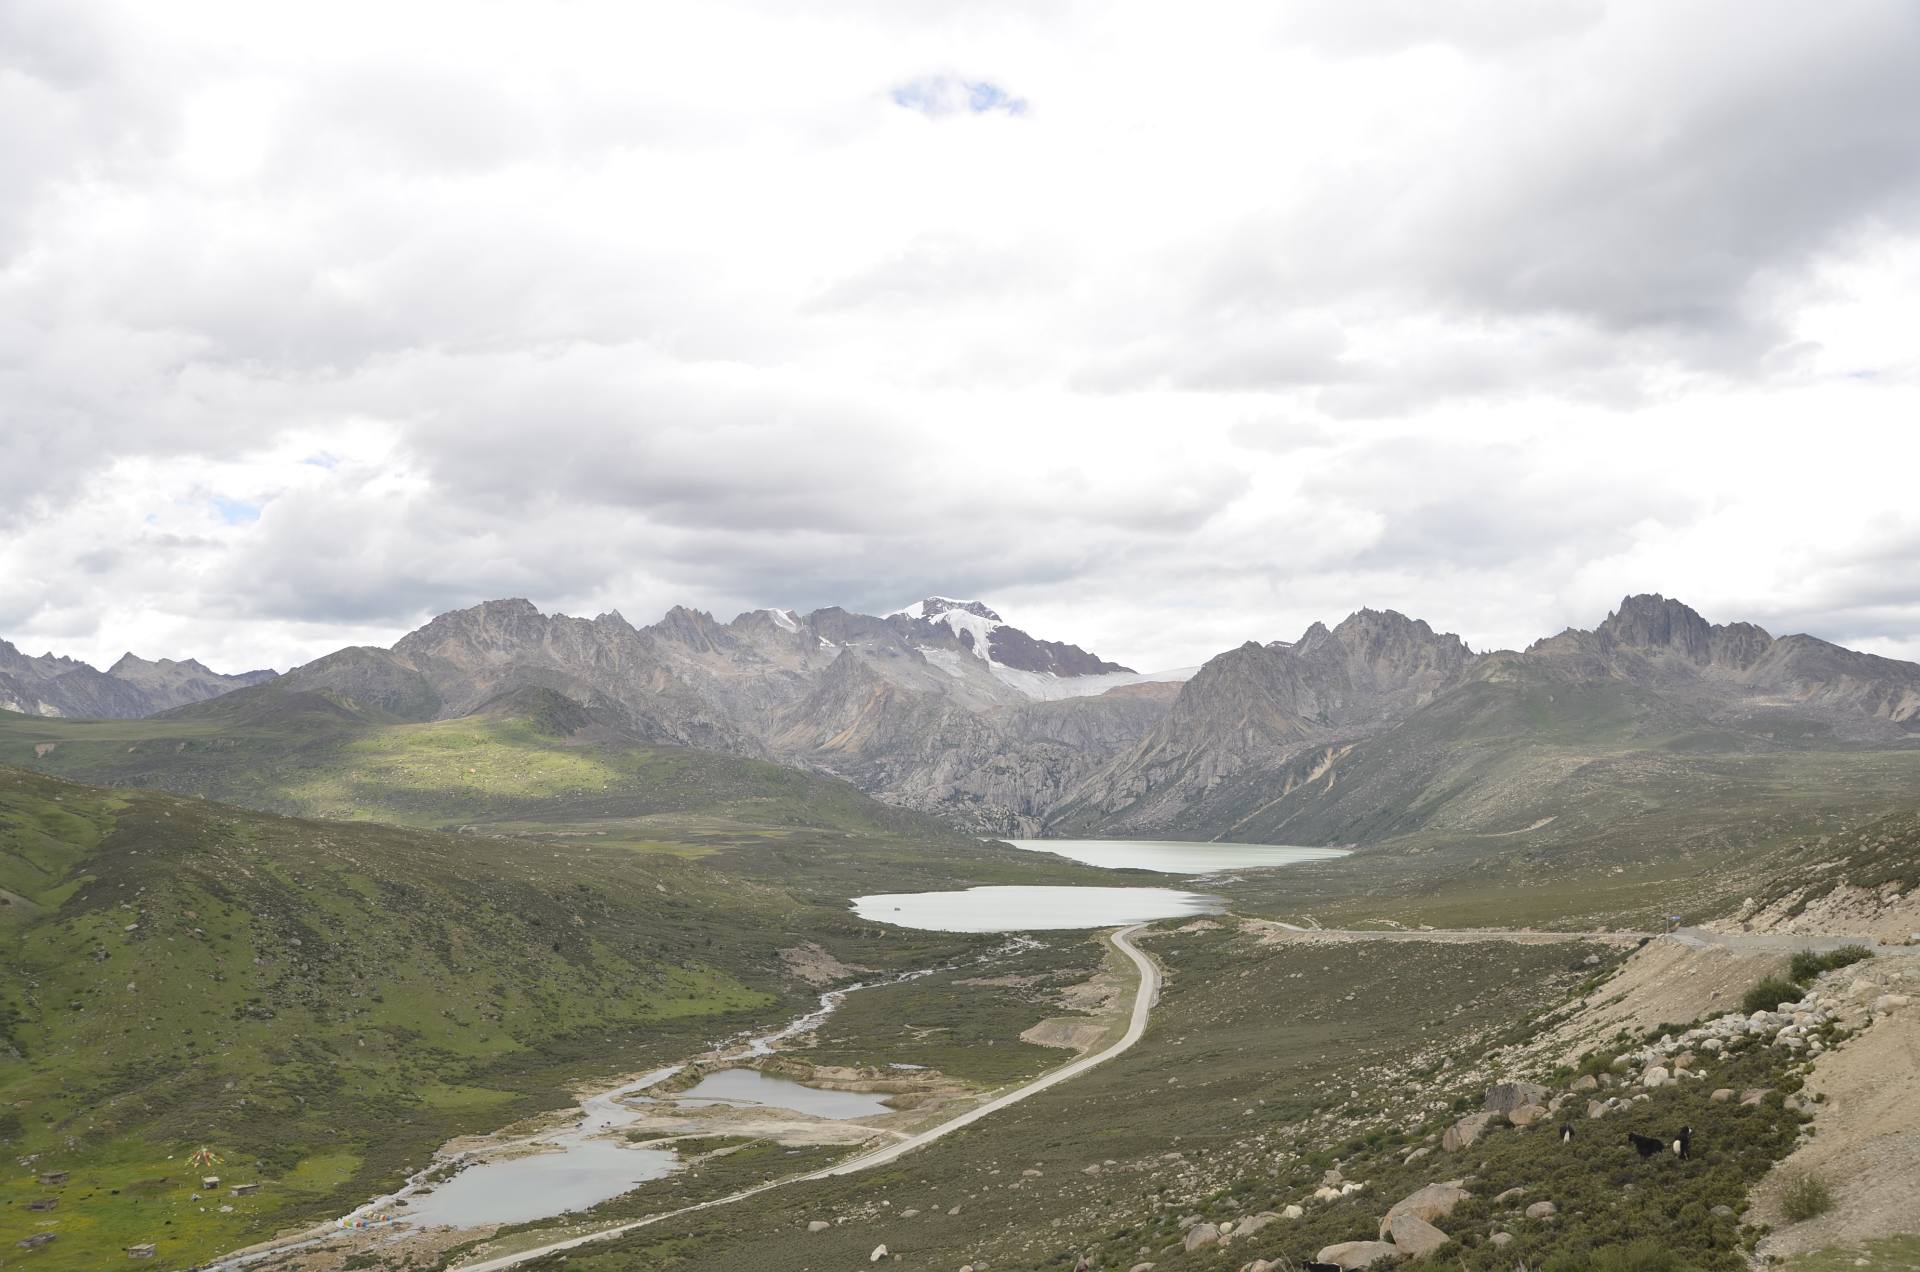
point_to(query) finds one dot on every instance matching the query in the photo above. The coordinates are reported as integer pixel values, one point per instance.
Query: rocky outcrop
(1415, 1237)
(1435, 1201)
(1354, 1255)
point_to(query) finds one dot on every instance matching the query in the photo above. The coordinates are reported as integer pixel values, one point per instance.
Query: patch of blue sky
(235, 512)
(937, 95)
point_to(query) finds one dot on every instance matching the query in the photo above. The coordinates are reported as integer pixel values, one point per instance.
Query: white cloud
(1162, 329)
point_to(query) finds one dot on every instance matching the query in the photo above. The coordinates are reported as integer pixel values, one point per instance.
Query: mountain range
(54, 686)
(1377, 725)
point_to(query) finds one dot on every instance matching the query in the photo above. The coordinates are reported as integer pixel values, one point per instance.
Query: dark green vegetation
(1808, 964)
(324, 1003)
(1769, 994)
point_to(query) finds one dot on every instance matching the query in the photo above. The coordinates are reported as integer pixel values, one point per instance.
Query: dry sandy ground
(1866, 1142)
(1665, 983)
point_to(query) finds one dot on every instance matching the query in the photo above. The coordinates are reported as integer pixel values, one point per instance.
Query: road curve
(1136, 1026)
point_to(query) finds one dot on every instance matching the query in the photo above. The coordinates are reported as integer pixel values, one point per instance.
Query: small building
(245, 1190)
(210, 1183)
(54, 1177)
(142, 1251)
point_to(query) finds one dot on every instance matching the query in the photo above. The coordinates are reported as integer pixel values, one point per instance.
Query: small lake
(1028, 909)
(1167, 856)
(587, 1173)
(750, 1086)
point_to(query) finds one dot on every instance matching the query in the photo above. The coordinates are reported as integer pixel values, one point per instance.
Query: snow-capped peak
(785, 620)
(973, 618)
(935, 606)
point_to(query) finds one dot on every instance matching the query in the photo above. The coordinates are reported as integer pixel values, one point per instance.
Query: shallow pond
(587, 1173)
(750, 1086)
(1028, 909)
(1167, 856)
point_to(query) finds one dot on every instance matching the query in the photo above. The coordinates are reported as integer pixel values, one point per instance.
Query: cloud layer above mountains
(1162, 327)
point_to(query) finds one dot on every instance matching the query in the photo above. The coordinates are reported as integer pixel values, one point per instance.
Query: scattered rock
(1292, 1212)
(1466, 1131)
(1596, 1109)
(1416, 1237)
(1585, 1082)
(1200, 1235)
(818, 1225)
(1753, 1095)
(1512, 1194)
(1542, 1210)
(1435, 1201)
(1722, 1095)
(141, 1251)
(1354, 1255)
(879, 1253)
(1655, 1076)
(1500, 1240)
(1505, 1097)
(1253, 1223)
(1527, 1115)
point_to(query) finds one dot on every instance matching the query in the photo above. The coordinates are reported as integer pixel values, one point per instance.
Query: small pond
(589, 1172)
(750, 1086)
(1028, 909)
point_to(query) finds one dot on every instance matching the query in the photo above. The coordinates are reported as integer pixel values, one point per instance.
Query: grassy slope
(1264, 1066)
(306, 756)
(325, 1002)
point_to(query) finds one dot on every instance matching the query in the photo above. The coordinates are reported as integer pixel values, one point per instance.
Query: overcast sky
(1161, 327)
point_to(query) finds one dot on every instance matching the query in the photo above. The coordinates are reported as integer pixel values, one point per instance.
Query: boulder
(1292, 1212)
(879, 1253)
(1414, 1156)
(1467, 1130)
(1656, 1076)
(1511, 1194)
(1505, 1097)
(1354, 1255)
(1753, 1095)
(1542, 1210)
(1585, 1082)
(1500, 1240)
(1435, 1201)
(1253, 1223)
(818, 1225)
(1596, 1109)
(1722, 1095)
(1527, 1115)
(1199, 1236)
(1142, 1267)
(1416, 1237)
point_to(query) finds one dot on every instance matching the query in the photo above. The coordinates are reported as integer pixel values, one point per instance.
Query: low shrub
(1769, 994)
(1806, 1196)
(1808, 964)
(1638, 1256)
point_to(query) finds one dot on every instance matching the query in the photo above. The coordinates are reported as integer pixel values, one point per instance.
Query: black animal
(1311, 1266)
(1566, 1134)
(1683, 1142)
(1645, 1145)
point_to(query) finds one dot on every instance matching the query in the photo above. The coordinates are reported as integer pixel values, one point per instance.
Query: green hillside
(326, 1002)
(531, 760)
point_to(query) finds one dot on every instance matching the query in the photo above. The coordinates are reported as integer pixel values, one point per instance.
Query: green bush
(1769, 994)
(1805, 1197)
(1808, 964)
(1639, 1256)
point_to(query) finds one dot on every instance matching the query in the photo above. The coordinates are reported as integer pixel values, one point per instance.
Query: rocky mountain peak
(1652, 621)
